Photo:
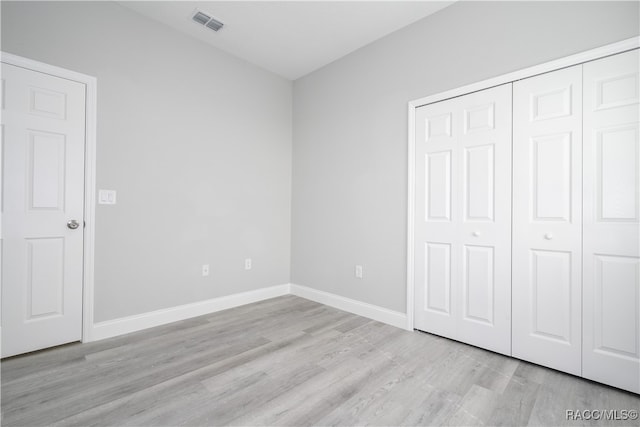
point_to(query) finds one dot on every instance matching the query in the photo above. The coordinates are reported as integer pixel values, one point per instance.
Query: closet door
(463, 188)
(484, 228)
(436, 222)
(611, 280)
(547, 201)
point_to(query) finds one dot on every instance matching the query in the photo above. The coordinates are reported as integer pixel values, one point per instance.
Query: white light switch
(107, 197)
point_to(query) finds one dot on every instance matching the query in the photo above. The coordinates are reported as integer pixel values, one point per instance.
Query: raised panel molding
(46, 171)
(551, 104)
(617, 91)
(617, 302)
(45, 278)
(438, 126)
(438, 186)
(552, 171)
(437, 277)
(550, 286)
(479, 118)
(48, 103)
(617, 174)
(479, 283)
(479, 183)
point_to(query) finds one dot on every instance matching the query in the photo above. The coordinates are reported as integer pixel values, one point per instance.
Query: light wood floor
(289, 361)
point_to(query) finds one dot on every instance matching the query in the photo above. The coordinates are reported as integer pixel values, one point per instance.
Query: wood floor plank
(146, 402)
(516, 404)
(288, 361)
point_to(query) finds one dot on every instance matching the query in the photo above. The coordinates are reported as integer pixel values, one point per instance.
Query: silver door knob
(73, 224)
(476, 234)
(548, 236)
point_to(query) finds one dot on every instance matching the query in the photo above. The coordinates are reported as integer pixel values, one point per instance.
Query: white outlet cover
(247, 264)
(358, 271)
(107, 197)
(205, 270)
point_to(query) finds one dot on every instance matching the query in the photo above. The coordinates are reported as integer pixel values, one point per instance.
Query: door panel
(616, 173)
(45, 277)
(484, 233)
(611, 306)
(438, 176)
(43, 120)
(551, 295)
(438, 278)
(547, 120)
(46, 173)
(616, 291)
(479, 200)
(436, 206)
(551, 176)
(479, 284)
(463, 187)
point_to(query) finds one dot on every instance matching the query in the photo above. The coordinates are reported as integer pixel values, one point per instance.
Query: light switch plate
(107, 197)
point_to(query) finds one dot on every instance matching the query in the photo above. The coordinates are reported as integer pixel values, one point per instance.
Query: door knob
(73, 224)
(548, 236)
(476, 234)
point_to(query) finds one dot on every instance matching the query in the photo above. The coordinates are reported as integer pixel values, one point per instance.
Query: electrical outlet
(359, 271)
(205, 270)
(247, 264)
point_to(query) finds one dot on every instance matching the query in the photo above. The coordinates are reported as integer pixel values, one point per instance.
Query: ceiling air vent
(206, 20)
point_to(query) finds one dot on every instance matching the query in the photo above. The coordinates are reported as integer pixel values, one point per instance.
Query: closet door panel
(611, 281)
(547, 202)
(463, 187)
(485, 220)
(437, 171)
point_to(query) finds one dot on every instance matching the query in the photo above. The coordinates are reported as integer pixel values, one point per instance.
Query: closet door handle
(476, 234)
(548, 236)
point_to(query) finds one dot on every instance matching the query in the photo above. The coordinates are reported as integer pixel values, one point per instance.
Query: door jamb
(89, 176)
(579, 58)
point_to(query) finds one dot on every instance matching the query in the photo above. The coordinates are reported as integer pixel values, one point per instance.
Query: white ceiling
(290, 38)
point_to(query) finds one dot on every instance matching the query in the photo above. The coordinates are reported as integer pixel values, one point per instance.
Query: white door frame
(89, 175)
(590, 55)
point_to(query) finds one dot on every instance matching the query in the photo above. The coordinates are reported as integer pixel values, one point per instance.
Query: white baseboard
(138, 322)
(381, 314)
(125, 325)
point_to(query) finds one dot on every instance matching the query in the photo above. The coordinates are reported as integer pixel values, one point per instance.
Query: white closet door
(611, 222)
(547, 201)
(437, 174)
(463, 188)
(485, 219)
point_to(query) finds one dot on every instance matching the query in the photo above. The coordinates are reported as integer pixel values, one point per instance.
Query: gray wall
(196, 142)
(350, 128)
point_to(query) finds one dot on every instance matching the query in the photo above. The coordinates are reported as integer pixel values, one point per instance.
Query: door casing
(89, 177)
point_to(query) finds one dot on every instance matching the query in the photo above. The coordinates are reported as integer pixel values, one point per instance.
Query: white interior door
(463, 219)
(43, 128)
(547, 226)
(611, 271)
